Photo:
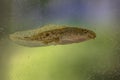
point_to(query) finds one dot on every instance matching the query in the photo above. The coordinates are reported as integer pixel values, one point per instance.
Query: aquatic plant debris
(52, 35)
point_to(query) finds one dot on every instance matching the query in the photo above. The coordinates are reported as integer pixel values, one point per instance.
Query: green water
(90, 60)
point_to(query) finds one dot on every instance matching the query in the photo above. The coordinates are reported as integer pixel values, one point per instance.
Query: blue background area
(29, 13)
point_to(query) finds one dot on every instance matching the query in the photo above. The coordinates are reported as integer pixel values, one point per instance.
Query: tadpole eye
(47, 34)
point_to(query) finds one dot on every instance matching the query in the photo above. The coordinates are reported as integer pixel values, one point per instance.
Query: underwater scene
(59, 40)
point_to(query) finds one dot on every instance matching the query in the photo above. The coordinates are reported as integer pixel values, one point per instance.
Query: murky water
(97, 59)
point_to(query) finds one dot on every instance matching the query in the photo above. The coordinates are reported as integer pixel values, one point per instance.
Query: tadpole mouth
(92, 35)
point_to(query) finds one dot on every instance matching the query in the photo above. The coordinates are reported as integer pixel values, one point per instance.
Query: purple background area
(73, 12)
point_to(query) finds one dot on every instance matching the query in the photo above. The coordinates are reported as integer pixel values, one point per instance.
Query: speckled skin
(65, 35)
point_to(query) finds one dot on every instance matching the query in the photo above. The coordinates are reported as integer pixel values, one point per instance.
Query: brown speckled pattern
(56, 34)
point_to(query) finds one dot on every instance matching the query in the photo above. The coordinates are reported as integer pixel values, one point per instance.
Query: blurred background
(97, 59)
